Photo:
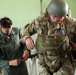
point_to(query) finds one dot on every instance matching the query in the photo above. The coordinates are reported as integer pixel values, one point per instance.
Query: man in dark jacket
(13, 53)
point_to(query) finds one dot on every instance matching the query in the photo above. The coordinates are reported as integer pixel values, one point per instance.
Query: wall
(20, 11)
(23, 11)
(72, 4)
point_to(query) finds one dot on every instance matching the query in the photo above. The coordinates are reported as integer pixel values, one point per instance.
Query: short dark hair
(5, 22)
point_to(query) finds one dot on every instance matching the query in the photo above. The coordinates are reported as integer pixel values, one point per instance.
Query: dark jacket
(10, 46)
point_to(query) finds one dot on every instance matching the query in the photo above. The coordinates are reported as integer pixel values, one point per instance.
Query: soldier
(55, 30)
(13, 53)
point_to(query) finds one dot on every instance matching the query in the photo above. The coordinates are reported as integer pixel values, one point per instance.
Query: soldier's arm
(29, 30)
(70, 25)
(71, 29)
(4, 63)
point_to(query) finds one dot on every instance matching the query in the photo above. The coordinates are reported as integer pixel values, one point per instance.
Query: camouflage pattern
(52, 44)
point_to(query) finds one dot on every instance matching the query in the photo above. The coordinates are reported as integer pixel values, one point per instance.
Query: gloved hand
(26, 55)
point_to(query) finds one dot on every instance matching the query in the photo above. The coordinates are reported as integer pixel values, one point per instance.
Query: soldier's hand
(26, 55)
(73, 45)
(29, 43)
(15, 62)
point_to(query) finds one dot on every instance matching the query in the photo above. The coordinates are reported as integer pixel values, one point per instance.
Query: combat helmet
(58, 8)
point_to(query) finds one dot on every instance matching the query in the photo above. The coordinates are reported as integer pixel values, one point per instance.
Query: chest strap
(63, 59)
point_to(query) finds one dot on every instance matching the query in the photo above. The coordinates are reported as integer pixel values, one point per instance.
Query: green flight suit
(52, 44)
(11, 48)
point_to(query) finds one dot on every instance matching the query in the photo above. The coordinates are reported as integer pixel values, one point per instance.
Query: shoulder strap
(17, 31)
(1, 36)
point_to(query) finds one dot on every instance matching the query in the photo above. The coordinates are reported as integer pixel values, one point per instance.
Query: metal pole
(41, 11)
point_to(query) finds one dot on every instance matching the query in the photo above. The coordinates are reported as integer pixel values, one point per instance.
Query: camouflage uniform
(52, 44)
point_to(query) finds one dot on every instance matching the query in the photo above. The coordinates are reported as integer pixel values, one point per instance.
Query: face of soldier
(6, 31)
(56, 19)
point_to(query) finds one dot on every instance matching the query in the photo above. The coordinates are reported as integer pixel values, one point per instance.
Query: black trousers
(16, 70)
